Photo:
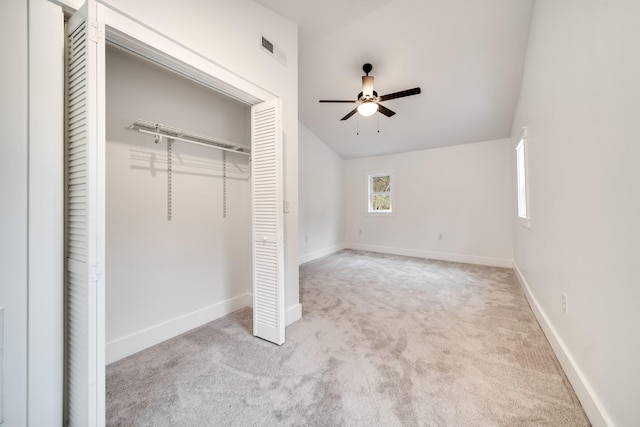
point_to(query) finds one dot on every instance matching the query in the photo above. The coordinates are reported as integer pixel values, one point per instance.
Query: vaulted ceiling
(466, 55)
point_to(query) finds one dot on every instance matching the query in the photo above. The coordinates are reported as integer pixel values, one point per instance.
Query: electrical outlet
(440, 237)
(565, 306)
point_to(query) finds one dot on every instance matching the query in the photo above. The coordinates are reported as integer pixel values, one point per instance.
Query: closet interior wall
(164, 276)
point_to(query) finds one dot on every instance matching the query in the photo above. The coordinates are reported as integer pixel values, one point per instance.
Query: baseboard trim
(293, 314)
(442, 256)
(587, 396)
(320, 253)
(138, 341)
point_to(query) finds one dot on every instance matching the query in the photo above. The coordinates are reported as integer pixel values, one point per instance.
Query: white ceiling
(466, 55)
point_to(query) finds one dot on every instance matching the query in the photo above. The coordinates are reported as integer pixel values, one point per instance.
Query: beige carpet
(384, 341)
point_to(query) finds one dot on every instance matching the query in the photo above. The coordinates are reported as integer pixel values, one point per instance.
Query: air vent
(272, 50)
(267, 45)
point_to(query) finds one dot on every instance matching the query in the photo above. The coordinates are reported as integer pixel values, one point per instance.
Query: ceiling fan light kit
(368, 100)
(367, 108)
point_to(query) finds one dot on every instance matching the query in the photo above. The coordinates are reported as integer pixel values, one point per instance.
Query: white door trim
(129, 34)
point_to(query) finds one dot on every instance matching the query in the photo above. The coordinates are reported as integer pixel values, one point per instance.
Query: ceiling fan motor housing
(361, 97)
(367, 87)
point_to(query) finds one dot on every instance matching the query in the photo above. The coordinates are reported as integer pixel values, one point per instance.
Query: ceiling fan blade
(384, 110)
(336, 100)
(408, 92)
(351, 113)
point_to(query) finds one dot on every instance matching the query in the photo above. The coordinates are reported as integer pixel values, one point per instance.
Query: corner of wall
(293, 314)
(303, 259)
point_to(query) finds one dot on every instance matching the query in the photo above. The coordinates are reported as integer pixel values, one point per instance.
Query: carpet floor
(384, 341)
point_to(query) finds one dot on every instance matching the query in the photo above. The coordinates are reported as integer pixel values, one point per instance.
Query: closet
(178, 214)
(164, 231)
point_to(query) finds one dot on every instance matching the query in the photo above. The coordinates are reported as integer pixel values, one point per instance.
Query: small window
(521, 171)
(380, 199)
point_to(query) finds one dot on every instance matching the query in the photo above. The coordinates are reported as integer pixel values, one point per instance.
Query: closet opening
(178, 208)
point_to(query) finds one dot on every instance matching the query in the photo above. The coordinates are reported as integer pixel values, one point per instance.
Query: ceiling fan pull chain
(378, 122)
(357, 126)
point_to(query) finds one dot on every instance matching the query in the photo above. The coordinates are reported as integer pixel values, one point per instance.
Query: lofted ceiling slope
(466, 55)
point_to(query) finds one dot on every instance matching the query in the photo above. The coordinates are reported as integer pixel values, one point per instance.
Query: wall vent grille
(272, 50)
(267, 45)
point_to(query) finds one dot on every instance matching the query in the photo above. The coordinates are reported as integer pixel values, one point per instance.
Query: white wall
(46, 214)
(580, 100)
(321, 189)
(461, 192)
(228, 33)
(13, 209)
(164, 277)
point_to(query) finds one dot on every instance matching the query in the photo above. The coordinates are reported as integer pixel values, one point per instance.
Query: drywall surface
(580, 100)
(229, 34)
(46, 214)
(321, 199)
(449, 203)
(14, 209)
(159, 270)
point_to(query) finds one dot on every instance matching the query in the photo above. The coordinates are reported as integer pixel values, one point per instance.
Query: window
(521, 172)
(380, 199)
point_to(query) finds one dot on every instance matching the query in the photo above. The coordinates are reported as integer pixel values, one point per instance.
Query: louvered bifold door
(85, 156)
(268, 233)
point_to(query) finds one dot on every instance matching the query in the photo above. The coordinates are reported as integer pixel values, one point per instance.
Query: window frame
(370, 193)
(523, 203)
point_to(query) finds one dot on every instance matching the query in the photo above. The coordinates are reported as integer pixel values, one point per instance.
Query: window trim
(369, 210)
(522, 146)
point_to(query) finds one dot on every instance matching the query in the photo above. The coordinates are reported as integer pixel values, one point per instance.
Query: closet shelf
(162, 131)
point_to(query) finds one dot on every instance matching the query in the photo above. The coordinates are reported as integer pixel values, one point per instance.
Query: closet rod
(177, 138)
(162, 131)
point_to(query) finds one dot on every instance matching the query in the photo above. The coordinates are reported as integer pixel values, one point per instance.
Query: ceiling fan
(368, 100)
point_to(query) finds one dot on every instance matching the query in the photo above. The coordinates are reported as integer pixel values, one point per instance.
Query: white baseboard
(138, 341)
(442, 256)
(587, 396)
(320, 253)
(293, 314)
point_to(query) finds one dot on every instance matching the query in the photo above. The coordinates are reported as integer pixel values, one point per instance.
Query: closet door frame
(268, 286)
(133, 36)
(139, 39)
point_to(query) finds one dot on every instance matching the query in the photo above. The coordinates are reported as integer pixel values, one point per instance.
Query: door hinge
(96, 270)
(94, 33)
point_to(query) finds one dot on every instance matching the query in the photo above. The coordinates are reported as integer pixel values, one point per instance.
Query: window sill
(524, 222)
(384, 214)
